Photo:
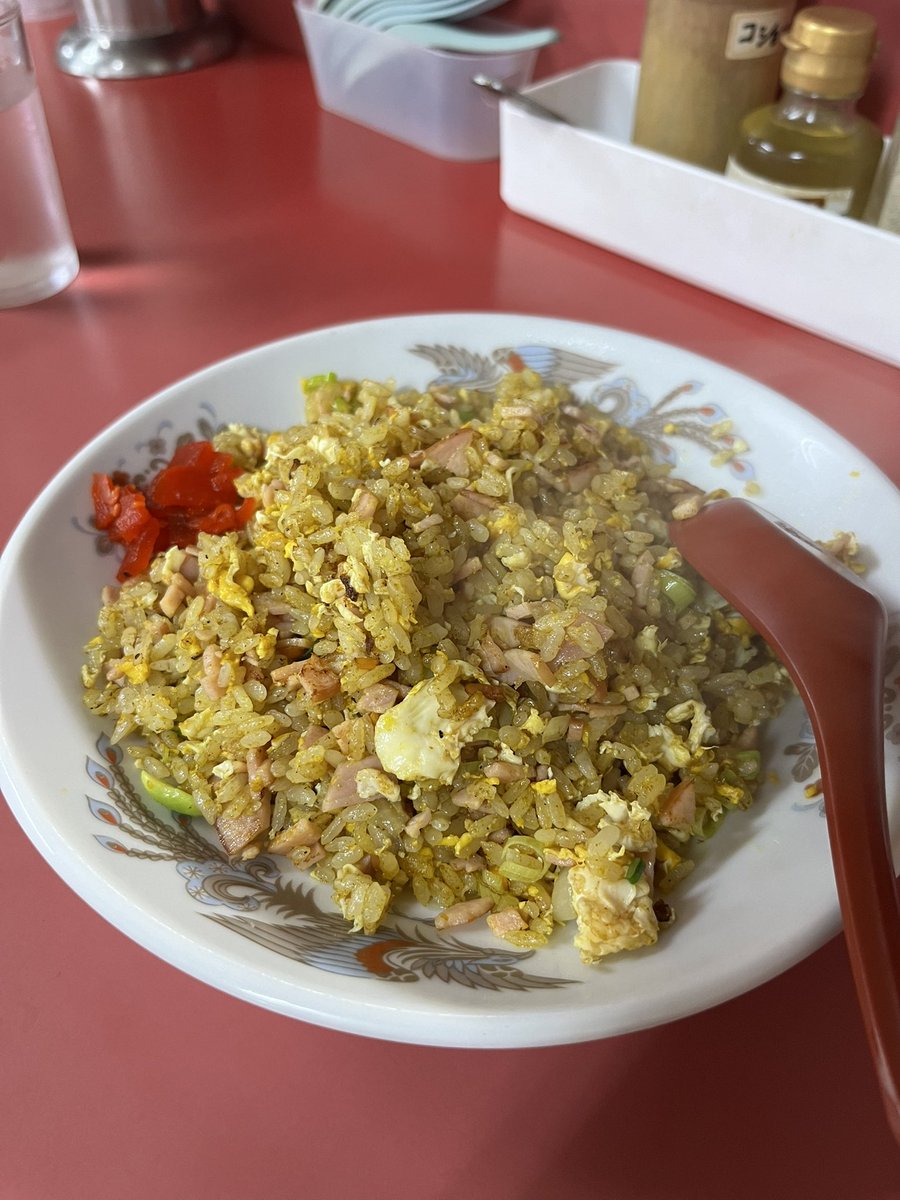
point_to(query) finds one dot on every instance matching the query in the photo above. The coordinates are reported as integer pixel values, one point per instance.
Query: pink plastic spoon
(829, 631)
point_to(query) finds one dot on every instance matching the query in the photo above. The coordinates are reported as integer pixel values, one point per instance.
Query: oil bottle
(812, 145)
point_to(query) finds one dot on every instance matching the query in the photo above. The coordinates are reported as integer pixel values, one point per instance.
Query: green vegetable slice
(676, 589)
(313, 381)
(748, 763)
(169, 796)
(523, 860)
(635, 871)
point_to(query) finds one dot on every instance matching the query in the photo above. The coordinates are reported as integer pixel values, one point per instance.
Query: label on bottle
(756, 33)
(835, 200)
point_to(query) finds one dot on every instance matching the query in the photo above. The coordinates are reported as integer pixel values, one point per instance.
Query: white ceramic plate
(763, 894)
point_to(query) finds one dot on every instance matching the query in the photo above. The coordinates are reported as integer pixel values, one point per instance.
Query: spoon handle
(451, 37)
(847, 722)
(830, 632)
(496, 88)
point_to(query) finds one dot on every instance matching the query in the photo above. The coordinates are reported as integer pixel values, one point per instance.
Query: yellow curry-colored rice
(452, 655)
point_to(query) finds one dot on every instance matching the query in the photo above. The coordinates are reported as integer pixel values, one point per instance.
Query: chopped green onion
(710, 824)
(635, 871)
(522, 860)
(315, 381)
(169, 796)
(676, 589)
(747, 763)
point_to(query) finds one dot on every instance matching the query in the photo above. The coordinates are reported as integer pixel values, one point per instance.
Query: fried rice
(453, 657)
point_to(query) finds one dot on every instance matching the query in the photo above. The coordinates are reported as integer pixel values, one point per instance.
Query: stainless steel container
(127, 39)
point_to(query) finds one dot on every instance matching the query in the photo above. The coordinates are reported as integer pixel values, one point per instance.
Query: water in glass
(37, 256)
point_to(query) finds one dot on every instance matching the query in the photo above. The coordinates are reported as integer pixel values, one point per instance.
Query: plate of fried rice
(381, 698)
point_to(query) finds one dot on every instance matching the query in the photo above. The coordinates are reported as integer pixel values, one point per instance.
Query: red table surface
(214, 211)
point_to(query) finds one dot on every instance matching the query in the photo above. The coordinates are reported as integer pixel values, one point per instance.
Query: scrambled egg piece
(422, 737)
(370, 784)
(611, 894)
(326, 447)
(534, 723)
(506, 521)
(674, 756)
(222, 582)
(573, 578)
(648, 639)
(134, 672)
(701, 725)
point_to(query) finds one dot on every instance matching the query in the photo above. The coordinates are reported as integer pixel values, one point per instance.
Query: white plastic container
(828, 274)
(412, 93)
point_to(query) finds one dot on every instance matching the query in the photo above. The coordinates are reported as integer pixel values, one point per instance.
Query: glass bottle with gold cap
(812, 144)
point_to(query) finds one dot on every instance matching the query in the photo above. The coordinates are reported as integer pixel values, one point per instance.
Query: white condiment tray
(831, 275)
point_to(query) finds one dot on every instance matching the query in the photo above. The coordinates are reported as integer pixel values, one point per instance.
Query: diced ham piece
(236, 833)
(317, 680)
(174, 595)
(472, 505)
(463, 913)
(464, 797)
(259, 771)
(212, 663)
(341, 792)
(469, 865)
(505, 772)
(378, 698)
(524, 666)
(364, 504)
(506, 632)
(492, 657)
(508, 920)
(341, 734)
(571, 649)
(568, 652)
(269, 492)
(303, 833)
(605, 631)
(679, 808)
(579, 478)
(190, 568)
(450, 452)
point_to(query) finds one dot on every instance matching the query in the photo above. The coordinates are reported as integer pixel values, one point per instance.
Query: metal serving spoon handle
(519, 99)
(829, 631)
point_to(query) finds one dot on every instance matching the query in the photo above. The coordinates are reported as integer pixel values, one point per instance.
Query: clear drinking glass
(37, 254)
